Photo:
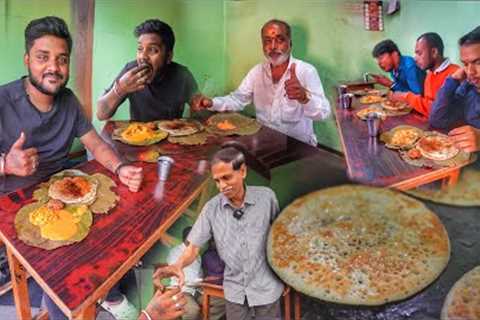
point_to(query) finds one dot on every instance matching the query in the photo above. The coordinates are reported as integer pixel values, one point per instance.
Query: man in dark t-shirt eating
(156, 87)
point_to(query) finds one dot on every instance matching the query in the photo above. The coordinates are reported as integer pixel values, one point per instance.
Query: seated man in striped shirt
(238, 218)
(429, 57)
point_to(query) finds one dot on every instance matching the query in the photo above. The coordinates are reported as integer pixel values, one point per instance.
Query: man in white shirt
(193, 274)
(287, 92)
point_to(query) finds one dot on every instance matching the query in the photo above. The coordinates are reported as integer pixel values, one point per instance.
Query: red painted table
(370, 162)
(76, 276)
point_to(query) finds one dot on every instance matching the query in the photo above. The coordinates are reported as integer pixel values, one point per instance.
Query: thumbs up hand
(19, 161)
(294, 89)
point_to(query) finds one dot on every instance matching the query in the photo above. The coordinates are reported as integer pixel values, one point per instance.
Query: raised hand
(200, 101)
(384, 81)
(134, 79)
(459, 74)
(167, 305)
(466, 138)
(293, 87)
(19, 161)
(131, 176)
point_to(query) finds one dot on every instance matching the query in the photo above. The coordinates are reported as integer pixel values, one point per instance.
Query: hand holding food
(200, 101)
(133, 80)
(384, 81)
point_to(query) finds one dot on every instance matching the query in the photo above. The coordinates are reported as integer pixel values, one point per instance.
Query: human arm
(241, 97)
(419, 103)
(381, 80)
(131, 176)
(466, 138)
(128, 82)
(415, 79)
(307, 89)
(168, 305)
(446, 108)
(176, 269)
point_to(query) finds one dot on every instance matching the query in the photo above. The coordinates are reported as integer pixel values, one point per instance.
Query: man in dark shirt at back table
(156, 87)
(458, 101)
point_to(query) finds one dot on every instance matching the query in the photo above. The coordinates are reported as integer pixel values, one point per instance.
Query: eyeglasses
(238, 213)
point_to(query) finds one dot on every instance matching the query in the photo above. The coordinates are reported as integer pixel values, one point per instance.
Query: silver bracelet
(145, 313)
(2, 164)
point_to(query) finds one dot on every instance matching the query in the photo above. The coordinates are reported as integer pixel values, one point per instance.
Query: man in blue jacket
(458, 101)
(406, 76)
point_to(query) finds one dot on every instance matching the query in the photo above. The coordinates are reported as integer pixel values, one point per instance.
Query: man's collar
(443, 66)
(401, 62)
(249, 199)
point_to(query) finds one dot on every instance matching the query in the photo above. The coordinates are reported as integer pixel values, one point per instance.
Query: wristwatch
(2, 164)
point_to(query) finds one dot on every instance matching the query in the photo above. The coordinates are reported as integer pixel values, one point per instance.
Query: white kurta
(273, 108)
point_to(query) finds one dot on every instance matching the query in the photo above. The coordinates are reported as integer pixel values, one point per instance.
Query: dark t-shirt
(52, 132)
(165, 97)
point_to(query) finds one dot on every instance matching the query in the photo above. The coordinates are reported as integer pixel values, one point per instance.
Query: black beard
(40, 88)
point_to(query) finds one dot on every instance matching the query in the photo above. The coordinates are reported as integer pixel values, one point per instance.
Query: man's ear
(243, 170)
(25, 59)
(434, 53)
(169, 57)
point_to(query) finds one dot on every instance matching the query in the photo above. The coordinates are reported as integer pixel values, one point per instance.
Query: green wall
(14, 17)
(219, 40)
(199, 32)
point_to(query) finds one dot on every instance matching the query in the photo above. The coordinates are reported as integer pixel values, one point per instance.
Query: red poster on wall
(373, 15)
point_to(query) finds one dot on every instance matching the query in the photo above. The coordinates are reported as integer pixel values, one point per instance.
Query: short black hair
(185, 233)
(47, 26)
(433, 40)
(280, 22)
(473, 37)
(231, 152)
(162, 29)
(385, 46)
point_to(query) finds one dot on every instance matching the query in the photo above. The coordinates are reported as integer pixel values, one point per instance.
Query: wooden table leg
(451, 180)
(205, 305)
(287, 304)
(20, 287)
(88, 313)
(297, 305)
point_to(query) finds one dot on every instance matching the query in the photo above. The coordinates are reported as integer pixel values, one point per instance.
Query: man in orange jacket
(428, 56)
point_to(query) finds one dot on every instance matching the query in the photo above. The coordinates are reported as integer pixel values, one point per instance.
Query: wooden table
(370, 162)
(76, 276)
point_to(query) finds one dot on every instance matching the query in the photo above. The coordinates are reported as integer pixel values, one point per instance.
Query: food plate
(232, 123)
(362, 114)
(437, 146)
(401, 137)
(180, 127)
(139, 134)
(369, 99)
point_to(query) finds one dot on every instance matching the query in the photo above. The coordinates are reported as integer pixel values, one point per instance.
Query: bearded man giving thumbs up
(287, 92)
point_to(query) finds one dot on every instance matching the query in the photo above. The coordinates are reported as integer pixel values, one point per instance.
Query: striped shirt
(241, 243)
